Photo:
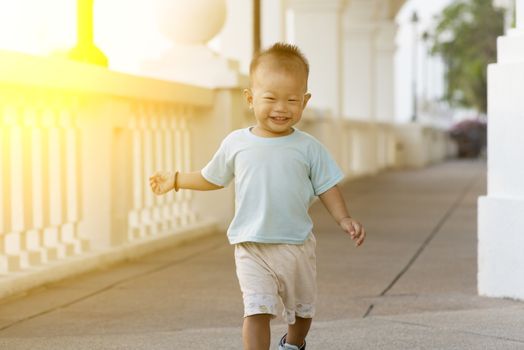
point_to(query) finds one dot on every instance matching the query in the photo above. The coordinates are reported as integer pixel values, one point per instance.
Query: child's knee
(259, 317)
(259, 321)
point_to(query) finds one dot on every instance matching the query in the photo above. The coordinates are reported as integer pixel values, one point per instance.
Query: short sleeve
(324, 171)
(220, 170)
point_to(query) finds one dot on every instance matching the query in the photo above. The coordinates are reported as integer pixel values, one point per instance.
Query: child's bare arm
(335, 204)
(195, 181)
(163, 182)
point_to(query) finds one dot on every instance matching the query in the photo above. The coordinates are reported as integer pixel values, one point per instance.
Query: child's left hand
(354, 229)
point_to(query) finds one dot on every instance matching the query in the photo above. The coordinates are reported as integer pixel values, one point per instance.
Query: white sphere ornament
(191, 22)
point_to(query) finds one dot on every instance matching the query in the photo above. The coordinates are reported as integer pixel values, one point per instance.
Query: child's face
(277, 97)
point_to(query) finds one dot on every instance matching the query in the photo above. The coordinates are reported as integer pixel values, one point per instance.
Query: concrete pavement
(412, 285)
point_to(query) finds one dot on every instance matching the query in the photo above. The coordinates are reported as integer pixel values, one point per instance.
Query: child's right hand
(162, 182)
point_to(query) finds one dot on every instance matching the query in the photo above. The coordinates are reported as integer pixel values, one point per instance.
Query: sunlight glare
(126, 31)
(36, 26)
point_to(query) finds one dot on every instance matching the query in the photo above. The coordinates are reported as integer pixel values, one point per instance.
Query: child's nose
(281, 107)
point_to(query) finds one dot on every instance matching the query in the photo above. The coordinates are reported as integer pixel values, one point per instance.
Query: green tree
(466, 38)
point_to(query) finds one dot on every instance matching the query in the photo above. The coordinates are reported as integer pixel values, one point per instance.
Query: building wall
(500, 218)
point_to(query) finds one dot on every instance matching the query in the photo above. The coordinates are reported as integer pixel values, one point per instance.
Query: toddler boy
(278, 170)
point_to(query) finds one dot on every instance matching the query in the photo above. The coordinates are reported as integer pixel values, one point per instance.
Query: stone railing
(364, 147)
(78, 143)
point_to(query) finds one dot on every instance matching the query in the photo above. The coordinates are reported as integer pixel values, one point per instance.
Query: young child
(278, 170)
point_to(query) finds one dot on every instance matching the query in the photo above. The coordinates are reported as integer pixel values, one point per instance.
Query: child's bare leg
(256, 334)
(297, 332)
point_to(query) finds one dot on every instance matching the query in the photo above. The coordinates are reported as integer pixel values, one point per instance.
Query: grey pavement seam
(111, 286)
(432, 234)
(368, 311)
(452, 330)
(430, 237)
(518, 341)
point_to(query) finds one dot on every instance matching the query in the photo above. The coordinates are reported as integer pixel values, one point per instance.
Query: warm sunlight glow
(124, 30)
(36, 26)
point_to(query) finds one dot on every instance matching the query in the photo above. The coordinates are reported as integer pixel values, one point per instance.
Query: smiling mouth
(279, 119)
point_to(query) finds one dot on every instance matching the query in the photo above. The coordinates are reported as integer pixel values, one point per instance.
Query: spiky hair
(284, 54)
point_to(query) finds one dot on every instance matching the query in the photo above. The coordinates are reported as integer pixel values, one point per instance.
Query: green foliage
(466, 38)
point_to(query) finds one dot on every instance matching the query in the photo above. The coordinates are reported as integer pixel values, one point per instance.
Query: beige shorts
(272, 273)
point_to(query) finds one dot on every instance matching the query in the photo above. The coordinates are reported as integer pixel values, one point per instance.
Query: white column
(510, 48)
(236, 38)
(315, 28)
(368, 52)
(500, 217)
(519, 11)
(273, 22)
(385, 71)
(358, 70)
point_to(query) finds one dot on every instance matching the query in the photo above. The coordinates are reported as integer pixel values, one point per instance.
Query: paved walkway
(412, 285)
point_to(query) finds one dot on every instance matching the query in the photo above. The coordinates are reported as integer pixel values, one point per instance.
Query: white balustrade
(160, 140)
(39, 169)
(363, 147)
(76, 155)
(78, 144)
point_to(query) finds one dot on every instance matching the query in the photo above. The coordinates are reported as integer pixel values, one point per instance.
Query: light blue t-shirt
(276, 180)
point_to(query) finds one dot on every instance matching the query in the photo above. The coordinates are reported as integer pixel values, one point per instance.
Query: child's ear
(306, 99)
(249, 97)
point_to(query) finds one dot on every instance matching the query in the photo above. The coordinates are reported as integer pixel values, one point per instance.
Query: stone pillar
(316, 29)
(236, 38)
(385, 47)
(359, 67)
(273, 22)
(519, 11)
(368, 63)
(500, 214)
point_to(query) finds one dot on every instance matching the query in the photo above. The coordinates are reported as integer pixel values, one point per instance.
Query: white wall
(500, 217)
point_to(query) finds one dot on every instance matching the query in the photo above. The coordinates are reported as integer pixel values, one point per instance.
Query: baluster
(179, 166)
(186, 166)
(3, 187)
(73, 178)
(37, 187)
(50, 188)
(8, 261)
(137, 187)
(30, 248)
(14, 190)
(66, 228)
(157, 156)
(172, 120)
(167, 164)
(147, 169)
(188, 156)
